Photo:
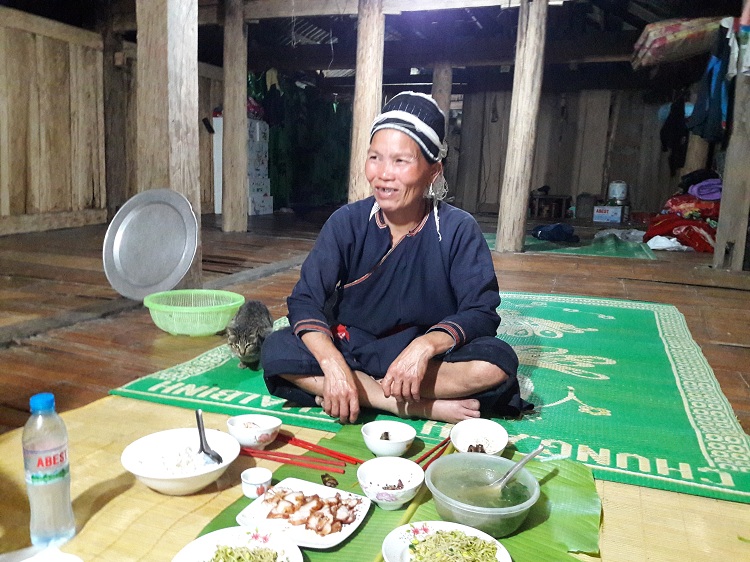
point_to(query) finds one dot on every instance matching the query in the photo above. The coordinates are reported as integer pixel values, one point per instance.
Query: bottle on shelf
(45, 458)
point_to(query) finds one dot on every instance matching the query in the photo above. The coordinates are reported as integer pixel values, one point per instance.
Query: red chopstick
(428, 452)
(263, 453)
(290, 459)
(438, 453)
(317, 448)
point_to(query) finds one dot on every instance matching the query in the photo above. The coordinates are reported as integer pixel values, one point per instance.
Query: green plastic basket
(193, 312)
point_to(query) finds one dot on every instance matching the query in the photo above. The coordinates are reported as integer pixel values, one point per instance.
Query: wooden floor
(64, 329)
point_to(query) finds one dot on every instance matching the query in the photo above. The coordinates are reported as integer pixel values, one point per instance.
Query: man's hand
(404, 377)
(340, 395)
(406, 374)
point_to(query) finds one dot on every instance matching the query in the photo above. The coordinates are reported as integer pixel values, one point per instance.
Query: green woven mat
(565, 519)
(605, 246)
(619, 386)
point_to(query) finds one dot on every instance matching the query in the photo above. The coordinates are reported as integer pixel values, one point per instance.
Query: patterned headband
(418, 116)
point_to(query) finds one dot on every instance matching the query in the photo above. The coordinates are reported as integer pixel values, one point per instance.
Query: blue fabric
(353, 277)
(712, 114)
(285, 354)
(558, 232)
(373, 300)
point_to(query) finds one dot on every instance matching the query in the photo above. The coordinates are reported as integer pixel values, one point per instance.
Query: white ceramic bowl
(255, 431)
(169, 461)
(390, 481)
(458, 484)
(400, 437)
(479, 431)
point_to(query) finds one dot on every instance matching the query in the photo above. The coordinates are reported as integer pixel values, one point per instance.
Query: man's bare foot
(451, 411)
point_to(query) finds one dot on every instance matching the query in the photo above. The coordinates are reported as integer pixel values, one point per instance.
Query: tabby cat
(246, 332)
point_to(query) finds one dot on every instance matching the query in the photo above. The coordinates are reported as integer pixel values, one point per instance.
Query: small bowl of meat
(388, 438)
(479, 435)
(255, 431)
(390, 482)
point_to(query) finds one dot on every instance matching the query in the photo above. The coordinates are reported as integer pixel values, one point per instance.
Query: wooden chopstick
(296, 460)
(317, 448)
(438, 454)
(429, 452)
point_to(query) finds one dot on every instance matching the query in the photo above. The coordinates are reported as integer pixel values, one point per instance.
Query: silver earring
(438, 188)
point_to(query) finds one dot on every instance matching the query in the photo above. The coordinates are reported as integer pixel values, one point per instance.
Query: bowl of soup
(461, 489)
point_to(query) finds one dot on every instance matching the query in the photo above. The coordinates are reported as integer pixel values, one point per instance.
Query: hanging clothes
(712, 113)
(674, 135)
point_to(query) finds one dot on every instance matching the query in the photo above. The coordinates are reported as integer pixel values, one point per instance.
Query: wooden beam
(368, 85)
(527, 89)
(493, 51)
(234, 204)
(210, 12)
(51, 221)
(731, 234)
(22, 21)
(262, 9)
(210, 71)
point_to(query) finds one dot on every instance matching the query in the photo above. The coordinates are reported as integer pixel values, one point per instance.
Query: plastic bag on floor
(630, 235)
(667, 243)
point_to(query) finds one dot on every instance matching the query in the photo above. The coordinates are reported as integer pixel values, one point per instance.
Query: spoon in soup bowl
(499, 484)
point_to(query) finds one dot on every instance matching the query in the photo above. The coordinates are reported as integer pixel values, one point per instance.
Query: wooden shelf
(548, 206)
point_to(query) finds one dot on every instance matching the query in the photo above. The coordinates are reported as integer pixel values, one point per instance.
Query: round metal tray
(150, 243)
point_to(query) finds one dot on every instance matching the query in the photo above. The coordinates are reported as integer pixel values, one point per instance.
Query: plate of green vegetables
(433, 541)
(238, 544)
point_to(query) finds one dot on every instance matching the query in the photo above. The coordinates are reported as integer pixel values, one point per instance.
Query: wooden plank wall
(585, 140)
(210, 95)
(51, 125)
(469, 154)
(494, 144)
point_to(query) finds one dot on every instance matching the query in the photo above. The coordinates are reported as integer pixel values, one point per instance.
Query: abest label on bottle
(43, 467)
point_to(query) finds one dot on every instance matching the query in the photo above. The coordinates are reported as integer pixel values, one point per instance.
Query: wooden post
(524, 112)
(442, 84)
(697, 154)
(731, 234)
(234, 186)
(167, 100)
(368, 86)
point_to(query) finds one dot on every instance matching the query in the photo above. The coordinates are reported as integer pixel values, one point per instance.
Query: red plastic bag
(696, 234)
(689, 206)
(696, 237)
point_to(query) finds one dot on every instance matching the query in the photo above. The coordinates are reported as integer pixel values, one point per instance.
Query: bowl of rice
(170, 462)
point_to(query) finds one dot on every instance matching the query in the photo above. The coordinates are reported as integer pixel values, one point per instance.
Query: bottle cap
(42, 401)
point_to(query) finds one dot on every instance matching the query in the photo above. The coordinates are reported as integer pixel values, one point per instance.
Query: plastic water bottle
(45, 459)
